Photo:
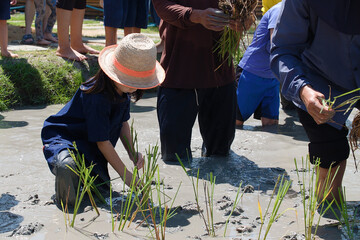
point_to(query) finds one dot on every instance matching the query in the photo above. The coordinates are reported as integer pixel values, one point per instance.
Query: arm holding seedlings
(211, 18)
(313, 103)
(108, 150)
(126, 140)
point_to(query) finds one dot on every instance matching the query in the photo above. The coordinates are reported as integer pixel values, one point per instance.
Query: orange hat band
(133, 73)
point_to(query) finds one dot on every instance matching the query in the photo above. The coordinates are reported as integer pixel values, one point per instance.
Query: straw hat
(132, 62)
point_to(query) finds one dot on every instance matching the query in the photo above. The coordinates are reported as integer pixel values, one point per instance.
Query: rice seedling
(239, 10)
(354, 136)
(236, 202)
(283, 188)
(344, 218)
(126, 208)
(209, 203)
(330, 103)
(86, 183)
(195, 186)
(163, 212)
(317, 194)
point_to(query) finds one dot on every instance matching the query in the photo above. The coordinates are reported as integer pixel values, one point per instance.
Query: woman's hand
(313, 103)
(211, 18)
(138, 160)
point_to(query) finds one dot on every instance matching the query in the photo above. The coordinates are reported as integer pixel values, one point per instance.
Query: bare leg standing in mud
(71, 14)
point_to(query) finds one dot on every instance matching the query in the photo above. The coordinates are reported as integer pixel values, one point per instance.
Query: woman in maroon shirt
(190, 29)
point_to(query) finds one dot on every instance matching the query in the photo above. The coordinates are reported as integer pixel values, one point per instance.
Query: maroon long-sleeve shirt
(188, 57)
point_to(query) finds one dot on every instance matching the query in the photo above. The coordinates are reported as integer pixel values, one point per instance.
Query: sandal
(27, 39)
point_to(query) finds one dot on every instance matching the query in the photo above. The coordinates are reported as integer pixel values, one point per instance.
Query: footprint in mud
(27, 229)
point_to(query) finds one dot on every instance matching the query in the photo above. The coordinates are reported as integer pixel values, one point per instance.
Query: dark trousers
(328, 144)
(177, 110)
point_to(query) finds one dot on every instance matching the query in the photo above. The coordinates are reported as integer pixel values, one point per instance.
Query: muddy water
(259, 155)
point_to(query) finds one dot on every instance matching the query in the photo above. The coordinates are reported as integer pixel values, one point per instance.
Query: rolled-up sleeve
(290, 38)
(173, 13)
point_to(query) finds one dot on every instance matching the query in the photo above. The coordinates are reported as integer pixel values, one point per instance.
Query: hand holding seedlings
(211, 18)
(314, 105)
(138, 160)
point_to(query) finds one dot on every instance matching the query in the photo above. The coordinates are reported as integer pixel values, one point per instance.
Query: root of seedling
(241, 11)
(355, 135)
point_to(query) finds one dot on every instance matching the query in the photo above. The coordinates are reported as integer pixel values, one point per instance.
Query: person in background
(70, 15)
(258, 86)
(316, 52)
(130, 15)
(192, 87)
(44, 31)
(4, 16)
(267, 4)
(97, 116)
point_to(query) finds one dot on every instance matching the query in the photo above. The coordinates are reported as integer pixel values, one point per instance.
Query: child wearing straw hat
(97, 115)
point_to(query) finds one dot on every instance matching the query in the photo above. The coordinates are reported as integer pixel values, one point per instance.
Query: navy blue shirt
(308, 51)
(86, 119)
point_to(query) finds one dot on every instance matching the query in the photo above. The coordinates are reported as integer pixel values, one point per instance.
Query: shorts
(4, 10)
(328, 144)
(126, 13)
(71, 4)
(254, 91)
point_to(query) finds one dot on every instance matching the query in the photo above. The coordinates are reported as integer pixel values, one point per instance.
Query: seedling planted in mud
(344, 218)
(317, 194)
(86, 183)
(283, 188)
(236, 202)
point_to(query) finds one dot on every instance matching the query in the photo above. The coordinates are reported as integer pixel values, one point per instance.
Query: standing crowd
(300, 48)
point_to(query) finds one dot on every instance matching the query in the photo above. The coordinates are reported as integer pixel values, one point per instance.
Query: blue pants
(254, 91)
(177, 110)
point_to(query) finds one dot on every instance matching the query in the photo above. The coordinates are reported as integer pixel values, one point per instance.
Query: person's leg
(337, 174)
(176, 110)
(128, 30)
(217, 112)
(249, 95)
(29, 15)
(4, 40)
(39, 20)
(110, 36)
(64, 50)
(271, 102)
(66, 181)
(51, 19)
(331, 147)
(76, 33)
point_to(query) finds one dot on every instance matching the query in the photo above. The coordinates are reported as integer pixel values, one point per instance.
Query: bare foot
(70, 54)
(43, 42)
(50, 37)
(9, 54)
(85, 49)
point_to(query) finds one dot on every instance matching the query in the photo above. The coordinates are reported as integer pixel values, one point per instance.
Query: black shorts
(71, 4)
(327, 143)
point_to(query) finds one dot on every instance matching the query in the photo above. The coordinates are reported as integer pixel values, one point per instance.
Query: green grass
(38, 78)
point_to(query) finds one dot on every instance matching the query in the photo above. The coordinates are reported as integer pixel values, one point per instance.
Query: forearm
(113, 158)
(173, 13)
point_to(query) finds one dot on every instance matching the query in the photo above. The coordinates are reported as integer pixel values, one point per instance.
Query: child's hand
(13, 2)
(138, 160)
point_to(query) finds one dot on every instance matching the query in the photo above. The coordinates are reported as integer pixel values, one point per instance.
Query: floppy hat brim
(106, 62)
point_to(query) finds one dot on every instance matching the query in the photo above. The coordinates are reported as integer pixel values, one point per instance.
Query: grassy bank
(41, 78)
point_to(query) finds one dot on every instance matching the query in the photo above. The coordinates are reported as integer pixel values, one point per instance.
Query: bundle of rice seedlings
(240, 11)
